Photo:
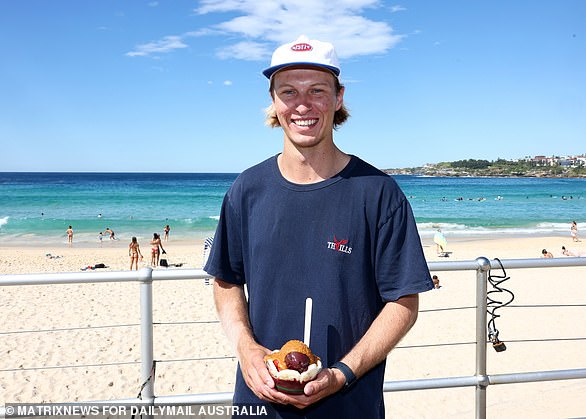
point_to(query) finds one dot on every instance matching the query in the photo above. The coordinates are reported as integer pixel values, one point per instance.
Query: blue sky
(175, 86)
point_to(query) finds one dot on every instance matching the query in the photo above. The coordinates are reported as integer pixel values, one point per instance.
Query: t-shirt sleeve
(225, 261)
(400, 266)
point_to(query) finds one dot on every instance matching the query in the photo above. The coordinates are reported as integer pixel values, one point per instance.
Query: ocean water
(37, 208)
(469, 206)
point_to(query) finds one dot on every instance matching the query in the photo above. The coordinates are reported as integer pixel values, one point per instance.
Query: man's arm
(389, 327)
(232, 309)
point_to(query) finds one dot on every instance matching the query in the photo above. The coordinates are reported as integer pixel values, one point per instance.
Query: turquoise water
(477, 206)
(38, 207)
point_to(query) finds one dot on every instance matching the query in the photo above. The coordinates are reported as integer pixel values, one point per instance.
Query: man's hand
(260, 381)
(255, 372)
(327, 382)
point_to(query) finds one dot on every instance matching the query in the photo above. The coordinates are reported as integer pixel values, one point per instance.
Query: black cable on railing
(150, 378)
(493, 305)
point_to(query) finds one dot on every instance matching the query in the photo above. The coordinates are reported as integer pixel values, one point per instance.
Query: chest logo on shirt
(339, 246)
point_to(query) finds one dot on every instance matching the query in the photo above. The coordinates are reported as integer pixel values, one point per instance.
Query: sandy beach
(61, 343)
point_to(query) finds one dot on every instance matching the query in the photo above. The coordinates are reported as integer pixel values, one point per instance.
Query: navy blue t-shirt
(349, 242)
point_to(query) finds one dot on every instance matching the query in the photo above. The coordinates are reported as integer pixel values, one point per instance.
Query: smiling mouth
(305, 122)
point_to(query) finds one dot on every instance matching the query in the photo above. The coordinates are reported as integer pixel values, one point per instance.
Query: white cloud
(246, 50)
(212, 6)
(397, 8)
(167, 44)
(267, 23)
(228, 83)
(261, 25)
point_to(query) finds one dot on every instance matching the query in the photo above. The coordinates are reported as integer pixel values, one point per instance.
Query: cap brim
(268, 73)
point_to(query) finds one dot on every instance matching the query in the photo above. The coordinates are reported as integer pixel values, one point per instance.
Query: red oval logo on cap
(301, 47)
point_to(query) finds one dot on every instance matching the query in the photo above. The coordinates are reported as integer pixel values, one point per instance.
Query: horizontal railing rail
(481, 380)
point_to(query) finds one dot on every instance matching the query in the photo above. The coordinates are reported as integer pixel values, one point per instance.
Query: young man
(315, 222)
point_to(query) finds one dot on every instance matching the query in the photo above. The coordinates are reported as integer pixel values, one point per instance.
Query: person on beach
(315, 222)
(436, 282)
(207, 248)
(546, 254)
(571, 252)
(111, 233)
(166, 231)
(574, 231)
(69, 232)
(156, 249)
(134, 253)
(440, 242)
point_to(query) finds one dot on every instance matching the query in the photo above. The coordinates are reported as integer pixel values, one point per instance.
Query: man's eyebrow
(318, 83)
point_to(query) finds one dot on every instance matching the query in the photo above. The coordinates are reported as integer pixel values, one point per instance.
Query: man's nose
(303, 104)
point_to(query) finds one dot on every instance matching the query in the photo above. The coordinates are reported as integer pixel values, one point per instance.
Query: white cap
(304, 51)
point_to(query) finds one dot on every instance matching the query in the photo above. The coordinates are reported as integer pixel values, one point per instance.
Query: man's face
(305, 101)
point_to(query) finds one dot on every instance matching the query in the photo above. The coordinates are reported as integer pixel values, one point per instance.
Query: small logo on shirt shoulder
(339, 246)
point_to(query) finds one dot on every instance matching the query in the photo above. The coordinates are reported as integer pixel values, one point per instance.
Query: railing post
(146, 336)
(481, 290)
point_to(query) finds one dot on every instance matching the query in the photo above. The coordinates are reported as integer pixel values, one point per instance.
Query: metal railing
(481, 381)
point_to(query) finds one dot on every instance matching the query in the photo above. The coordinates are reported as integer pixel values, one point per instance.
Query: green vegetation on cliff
(497, 168)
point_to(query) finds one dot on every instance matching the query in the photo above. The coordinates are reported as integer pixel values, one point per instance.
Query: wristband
(350, 377)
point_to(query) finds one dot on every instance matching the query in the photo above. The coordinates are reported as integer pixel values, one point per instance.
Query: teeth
(305, 122)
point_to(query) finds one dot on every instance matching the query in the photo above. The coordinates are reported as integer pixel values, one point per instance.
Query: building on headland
(528, 166)
(564, 161)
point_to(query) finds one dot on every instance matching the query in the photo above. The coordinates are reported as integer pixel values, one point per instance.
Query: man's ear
(340, 99)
